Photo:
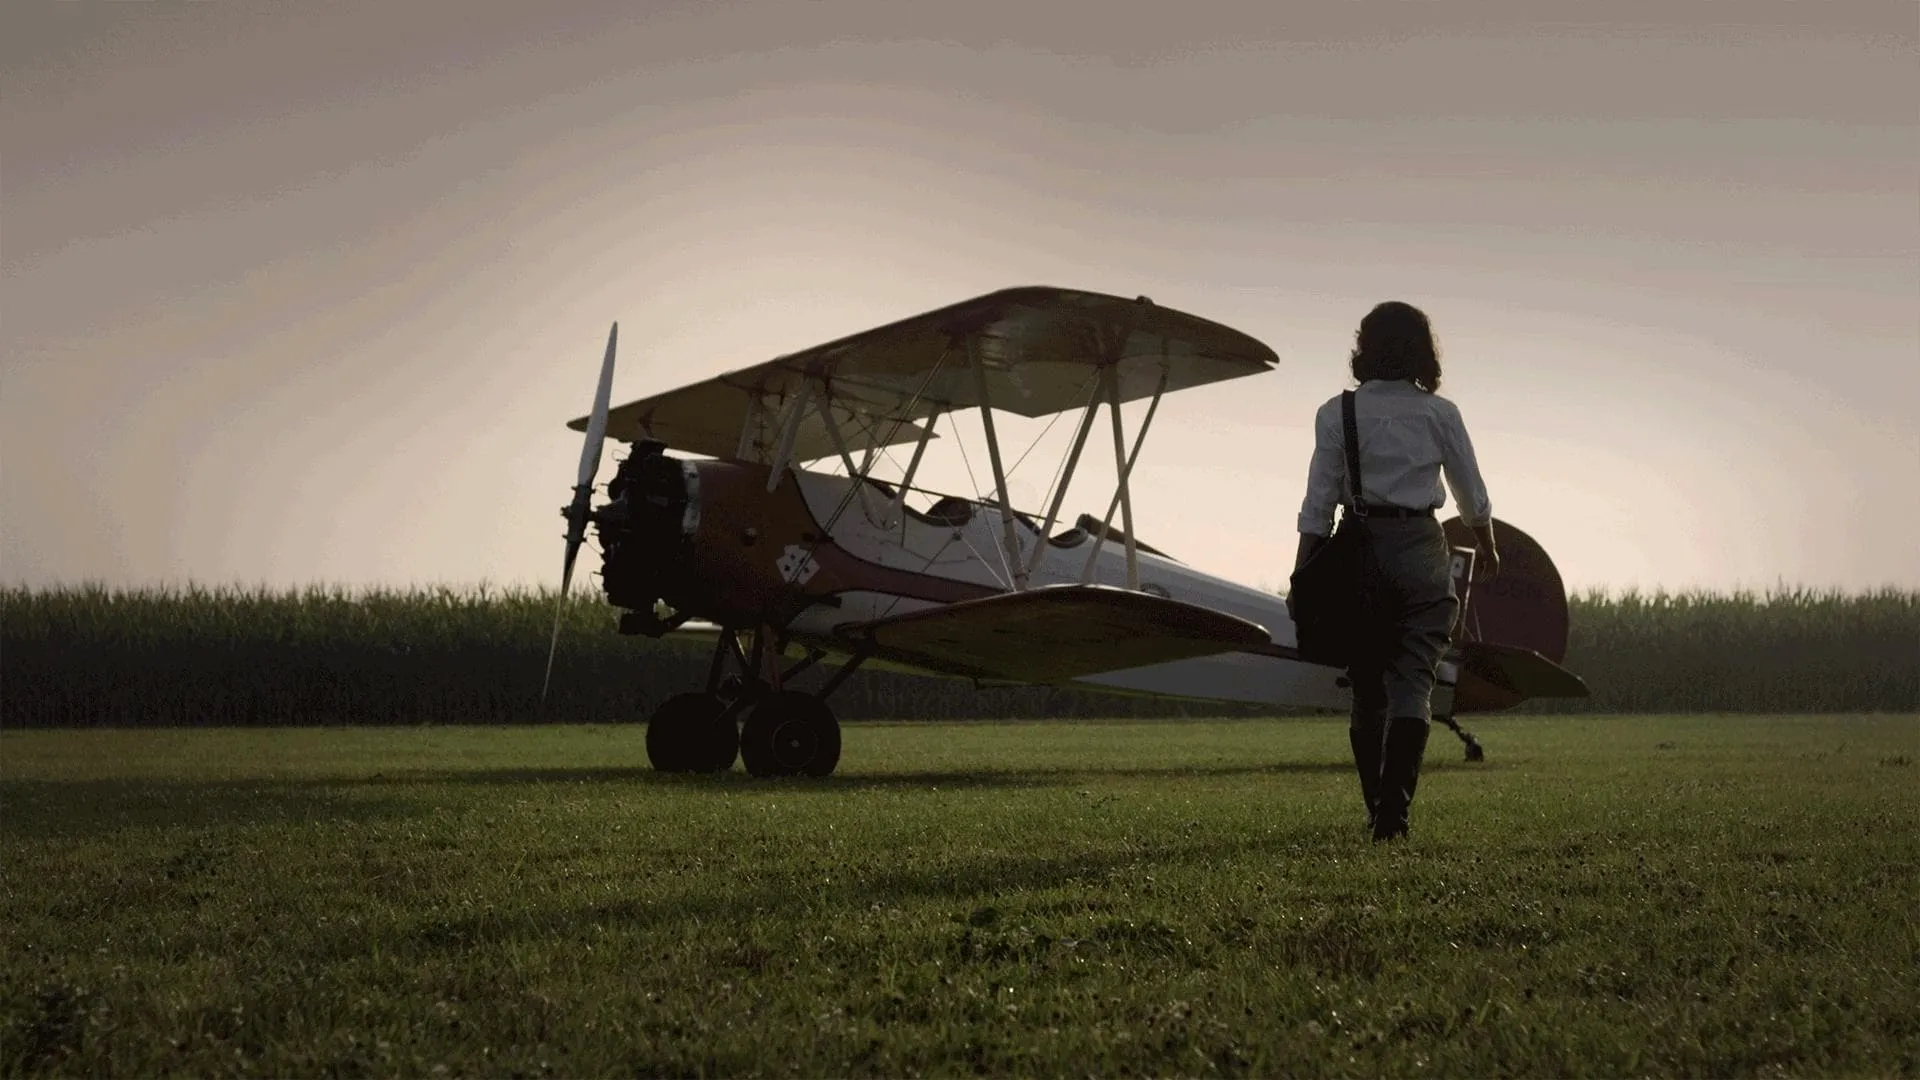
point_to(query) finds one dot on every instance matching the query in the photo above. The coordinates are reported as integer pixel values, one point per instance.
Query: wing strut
(1122, 495)
(783, 455)
(913, 465)
(1009, 538)
(1041, 548)
(751, 434)
(855, 473)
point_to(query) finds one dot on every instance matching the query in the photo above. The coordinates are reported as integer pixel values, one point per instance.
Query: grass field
(1647, 895)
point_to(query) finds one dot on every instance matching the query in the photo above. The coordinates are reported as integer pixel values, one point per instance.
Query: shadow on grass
(73, 809)
(968, 882)
(85, 809)
(736, 780)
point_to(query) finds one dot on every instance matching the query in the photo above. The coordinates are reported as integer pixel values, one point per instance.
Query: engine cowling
(646, 528)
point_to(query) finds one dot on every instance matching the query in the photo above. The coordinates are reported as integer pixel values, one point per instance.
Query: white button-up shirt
(1408, 438)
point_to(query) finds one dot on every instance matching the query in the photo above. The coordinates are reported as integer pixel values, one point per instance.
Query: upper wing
(1053, 633)
(707, 418)
(1040, 346)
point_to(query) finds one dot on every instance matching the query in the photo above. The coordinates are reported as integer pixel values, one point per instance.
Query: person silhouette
(1409, 437)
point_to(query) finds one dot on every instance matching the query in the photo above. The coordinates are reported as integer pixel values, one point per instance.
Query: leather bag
(1327, 595)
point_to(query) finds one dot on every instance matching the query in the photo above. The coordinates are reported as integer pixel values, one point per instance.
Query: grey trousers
(1410, 607)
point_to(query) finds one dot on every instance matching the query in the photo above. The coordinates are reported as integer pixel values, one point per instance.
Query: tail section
(1512, 632)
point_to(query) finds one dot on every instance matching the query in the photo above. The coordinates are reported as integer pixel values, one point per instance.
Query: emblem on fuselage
(797, 565)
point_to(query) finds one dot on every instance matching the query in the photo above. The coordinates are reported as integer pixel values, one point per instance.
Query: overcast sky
(306, 292)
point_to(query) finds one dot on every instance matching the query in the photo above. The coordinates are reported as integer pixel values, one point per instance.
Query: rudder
(1512, 632)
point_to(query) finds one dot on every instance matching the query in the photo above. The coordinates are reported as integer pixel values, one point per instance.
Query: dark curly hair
(1396, 342)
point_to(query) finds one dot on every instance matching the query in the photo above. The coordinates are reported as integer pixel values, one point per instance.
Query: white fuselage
(975, 551)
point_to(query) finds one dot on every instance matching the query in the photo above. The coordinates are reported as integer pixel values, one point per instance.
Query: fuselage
(821, 551)
(968, 545)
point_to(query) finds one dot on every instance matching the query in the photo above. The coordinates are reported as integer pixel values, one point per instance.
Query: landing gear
(748, 715)
(787, 733)
(692, 733)
(1474, 751)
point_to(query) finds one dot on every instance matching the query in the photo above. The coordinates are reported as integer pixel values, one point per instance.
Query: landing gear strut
(1474, 750)
(750, 715)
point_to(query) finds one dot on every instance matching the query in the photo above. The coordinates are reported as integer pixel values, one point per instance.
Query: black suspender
(1353, 452)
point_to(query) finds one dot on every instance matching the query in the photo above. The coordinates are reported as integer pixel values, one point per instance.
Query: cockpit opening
(953, 511)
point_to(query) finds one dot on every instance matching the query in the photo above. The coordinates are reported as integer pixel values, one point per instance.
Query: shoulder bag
(1326, 595)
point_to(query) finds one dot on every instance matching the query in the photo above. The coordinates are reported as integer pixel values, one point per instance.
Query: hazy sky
(301, 292)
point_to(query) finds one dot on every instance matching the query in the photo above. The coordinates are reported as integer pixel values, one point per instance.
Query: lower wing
(1052, 633)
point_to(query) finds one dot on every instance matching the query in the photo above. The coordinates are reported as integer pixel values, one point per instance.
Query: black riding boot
(1405, 745)
(1366, 734)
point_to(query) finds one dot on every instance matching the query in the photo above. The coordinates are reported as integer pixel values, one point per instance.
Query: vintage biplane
(716, 527)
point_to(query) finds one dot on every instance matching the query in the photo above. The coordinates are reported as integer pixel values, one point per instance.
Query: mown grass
(91, 656)
(1651, 895)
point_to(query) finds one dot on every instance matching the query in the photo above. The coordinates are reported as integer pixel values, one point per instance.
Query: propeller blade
(553, 647)
(597, 423)
(582, 495)
(559, 607)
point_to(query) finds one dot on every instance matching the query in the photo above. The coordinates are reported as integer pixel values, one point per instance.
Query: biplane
(721, 524)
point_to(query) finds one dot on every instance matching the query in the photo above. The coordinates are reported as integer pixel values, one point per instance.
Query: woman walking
(1409, 436)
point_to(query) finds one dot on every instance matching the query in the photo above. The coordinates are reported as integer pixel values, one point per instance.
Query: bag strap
(1353, 451)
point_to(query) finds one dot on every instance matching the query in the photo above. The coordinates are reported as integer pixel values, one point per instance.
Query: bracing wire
(853, 486)
(1043, 434)
(978, 498)
(869, 427)
(887, 452)
(1059, 470)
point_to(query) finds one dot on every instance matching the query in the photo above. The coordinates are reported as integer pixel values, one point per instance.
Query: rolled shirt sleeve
(1463, 469)
(1326, 473)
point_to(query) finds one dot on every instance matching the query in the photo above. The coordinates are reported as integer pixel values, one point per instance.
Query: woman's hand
(1487, 562)
(1486, 559)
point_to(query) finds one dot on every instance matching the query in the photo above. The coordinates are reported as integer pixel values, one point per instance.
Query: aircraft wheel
(790, 734)
(689, 733)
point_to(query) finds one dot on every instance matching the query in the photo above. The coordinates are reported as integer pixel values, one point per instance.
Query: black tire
(688, 733)
(790, 734)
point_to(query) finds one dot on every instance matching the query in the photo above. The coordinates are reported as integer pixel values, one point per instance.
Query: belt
(1395, 512)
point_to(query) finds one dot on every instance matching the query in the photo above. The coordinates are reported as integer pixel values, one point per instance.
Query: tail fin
(1512, 632)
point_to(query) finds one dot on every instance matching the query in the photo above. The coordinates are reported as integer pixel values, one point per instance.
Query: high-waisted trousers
(1410, 610)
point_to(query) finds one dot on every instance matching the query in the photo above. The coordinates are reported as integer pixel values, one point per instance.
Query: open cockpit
(955, 511)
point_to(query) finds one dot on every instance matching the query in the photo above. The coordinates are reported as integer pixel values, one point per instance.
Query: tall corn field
(93, 656)
(1786, 650)
(88, 655)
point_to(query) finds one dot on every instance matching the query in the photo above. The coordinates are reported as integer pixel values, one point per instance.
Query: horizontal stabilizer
(1519, 671)
(1054, 633)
